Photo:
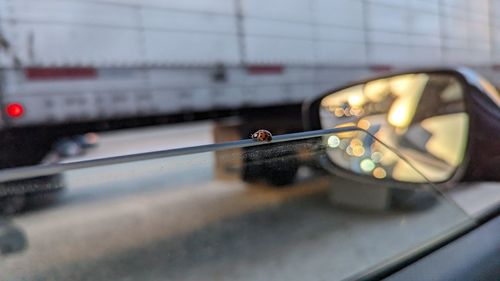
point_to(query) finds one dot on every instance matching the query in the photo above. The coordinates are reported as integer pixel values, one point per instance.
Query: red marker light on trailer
(15, 110)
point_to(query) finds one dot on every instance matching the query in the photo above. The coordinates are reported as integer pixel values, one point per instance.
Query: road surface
(171, 219)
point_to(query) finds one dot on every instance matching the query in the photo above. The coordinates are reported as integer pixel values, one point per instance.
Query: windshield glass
(241, 210)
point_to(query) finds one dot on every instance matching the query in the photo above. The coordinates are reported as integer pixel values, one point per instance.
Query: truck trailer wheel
(12, 204)
(275, 165)
(17, 196)
(26, 147)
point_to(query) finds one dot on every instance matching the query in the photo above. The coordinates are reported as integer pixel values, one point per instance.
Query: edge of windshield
(51, 169)
(396, 263)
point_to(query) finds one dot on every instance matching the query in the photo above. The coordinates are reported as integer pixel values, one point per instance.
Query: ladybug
(262, 136)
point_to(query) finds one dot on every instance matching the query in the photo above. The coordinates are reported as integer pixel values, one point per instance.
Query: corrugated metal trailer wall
(158, 57)
(193, 32)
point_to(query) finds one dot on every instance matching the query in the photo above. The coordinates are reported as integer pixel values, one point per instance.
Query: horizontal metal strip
(46, 170)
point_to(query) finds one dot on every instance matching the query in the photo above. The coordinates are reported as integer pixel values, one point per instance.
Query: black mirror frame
(475, 100)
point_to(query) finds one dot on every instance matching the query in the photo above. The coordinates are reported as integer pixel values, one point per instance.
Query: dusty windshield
(206, 140)
(242, 210)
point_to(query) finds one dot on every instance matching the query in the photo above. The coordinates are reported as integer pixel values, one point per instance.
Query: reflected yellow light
(399, 116)
(346, 134)
(408, 89)
(357, 111)
(388, 157)
(401, 84)
(347, 124)
(449, 134)
(356, 142)
(333, 141)
(379, 173)
(358, 151)
(339, 112)
(364, 124)
(400, 130)
(339, 98)
(404, 172)
(377, 90)
(367, 165)
(356, 100)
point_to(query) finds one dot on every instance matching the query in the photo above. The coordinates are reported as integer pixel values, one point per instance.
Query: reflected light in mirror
(403, 171)
(401, 84)
(367, 165)
(421, 115)
(379, 173)
(402, 110)
(358, 150)
(449, 136)
(339, 112)
(364, 124)
(399, 115)
(377, 90)
(333, 141)
(346, 134)
(342, 97)
(356, 100)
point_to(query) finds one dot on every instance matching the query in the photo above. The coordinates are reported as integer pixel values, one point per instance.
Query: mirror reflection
(420, 115)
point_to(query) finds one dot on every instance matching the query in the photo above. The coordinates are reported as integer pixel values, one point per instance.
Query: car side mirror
(430, 118)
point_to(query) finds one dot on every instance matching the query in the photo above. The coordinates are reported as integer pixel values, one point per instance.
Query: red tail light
(14, 110)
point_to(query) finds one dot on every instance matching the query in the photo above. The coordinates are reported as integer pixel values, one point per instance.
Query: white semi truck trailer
(73, 66)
